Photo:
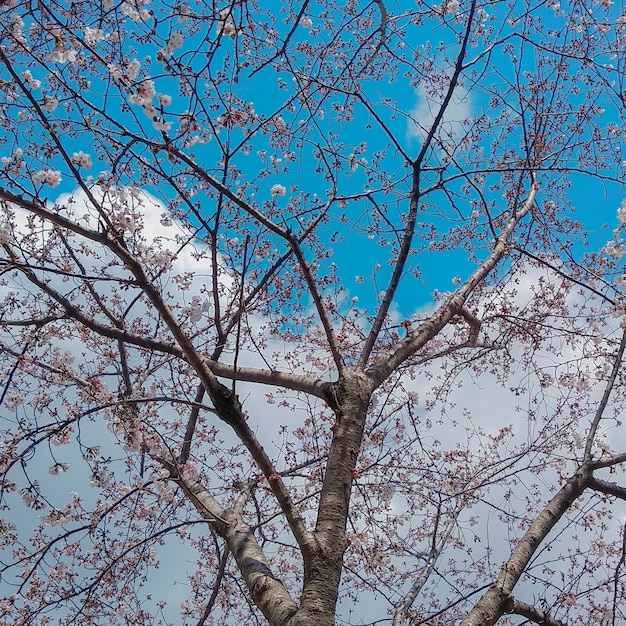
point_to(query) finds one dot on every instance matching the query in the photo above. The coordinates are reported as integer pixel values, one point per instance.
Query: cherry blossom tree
(312, 313)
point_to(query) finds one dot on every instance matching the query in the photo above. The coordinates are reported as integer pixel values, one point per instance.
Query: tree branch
(226, 403)
(493, 604)
(604, 486)
(391, 358)
(267, 591)
(227, 406)
(402, 609)
(409, 228)
(532, 613)
(617, 364)
(285, 234)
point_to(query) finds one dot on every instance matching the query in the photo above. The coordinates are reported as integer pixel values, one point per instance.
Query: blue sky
(395, 97)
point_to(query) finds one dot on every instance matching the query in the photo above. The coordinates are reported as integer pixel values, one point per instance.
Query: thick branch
(267, 591)
(609, 462)
(295, 382)
(229, 409)
(390, 359)
(474, 324)
(349, 398)
(495, 601)
(276, 378)
(532, 613)
(191, 426)
(604, 486)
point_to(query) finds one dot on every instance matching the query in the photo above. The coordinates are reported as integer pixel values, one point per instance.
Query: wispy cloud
(423, 114)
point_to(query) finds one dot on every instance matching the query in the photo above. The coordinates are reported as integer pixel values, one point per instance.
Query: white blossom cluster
(196, 309)
(49, 104)
(62, 54)
(132, 10)
(174, 42)
(226, 25)
(448, 7)
(15, 30)
(27, 77)
(144, 91)
(92, 36)
(82, 159)
(47, 177)
(15, 160)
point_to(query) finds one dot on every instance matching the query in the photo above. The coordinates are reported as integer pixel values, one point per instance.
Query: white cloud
(479, 404)
(423, 114)
(158, 239)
